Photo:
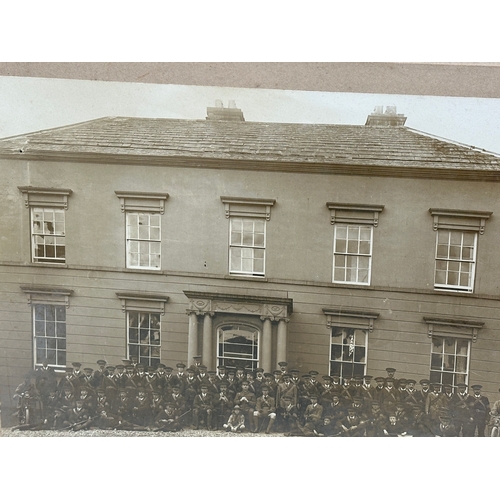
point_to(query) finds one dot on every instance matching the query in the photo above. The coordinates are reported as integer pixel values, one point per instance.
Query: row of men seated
(133, 396)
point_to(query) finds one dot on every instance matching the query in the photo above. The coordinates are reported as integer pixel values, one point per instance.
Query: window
(247, 234)
(143, 228)
(143, 312)
(48, 235)
(353, 241)
(49, 327)
(143, 240)
(348, 352)
(247, 249)
(238, 346)
(456, 247)
(352, 254)
(349, 331)
(449, 360)
(48, 226)
(455, 260)
(450, 348)
(143, 337)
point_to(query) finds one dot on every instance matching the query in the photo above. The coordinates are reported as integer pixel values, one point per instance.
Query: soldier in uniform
(286, 388)
(288, 417)
(247, 401)
(223, 405)
(479, 406)
(168, 419)
(203, 407)
(461, 412)
(391, 373)
(312, 417)
(99, 374)
(265, 411)
(376, 421)
(432, 403)
(352, 425)
(389, 396)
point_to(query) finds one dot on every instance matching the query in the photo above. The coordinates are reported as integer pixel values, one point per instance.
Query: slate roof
(250, 141)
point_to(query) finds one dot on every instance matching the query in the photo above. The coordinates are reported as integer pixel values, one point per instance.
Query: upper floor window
(353, 241)
(143, 228)
(456, 248)
(247, 234)
(48, 223)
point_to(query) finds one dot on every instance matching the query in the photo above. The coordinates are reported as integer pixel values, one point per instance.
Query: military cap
(375, 402)
(368, 377)
(160, 365)
(223, 384)
(101, 362)
(141, 365)
(170, 403)
(243, 382)
(221, 367)
(231, 372)
(276, 372)
(282, 363)
(436, 384)
(267, 374)
(461, 384)
(358, 377)
(286, 396)
(403, 381)
(446, 386)
(176, 387)
(477, 386)
(327, 377)
(80, 401)
(202, 367)
(306, 376)
(110, 368)
(203, 386)
(236, 407)
(313, 373)
(411, 381)
(357, 398)
(88, 370)
(313, 396)
(101, 389)
(294, 371)
(198, 356)
(190, 370)
(424, 381)
(259, 370)
(212, 372)
(335, 377)
(167, 368)
(120, 367)
(126, 361)
(390, 370)
(180, 365)
(286, 375)
(151, 369)
(76, 364)
(129, 368)
(389, 379)
(351, 409)
(266, 387)
(123, 391)
(379, 379)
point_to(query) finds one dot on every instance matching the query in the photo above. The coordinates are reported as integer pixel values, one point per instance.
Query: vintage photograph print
(208, 261)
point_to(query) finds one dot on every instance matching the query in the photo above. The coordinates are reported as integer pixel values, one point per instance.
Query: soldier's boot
(209, 420)
(195, 421)
(255, 424)
(270, 425)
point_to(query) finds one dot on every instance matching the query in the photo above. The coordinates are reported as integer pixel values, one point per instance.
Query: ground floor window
(348, 349)
(49, 325)
(143, 337)
(238, 346)
(449, 360)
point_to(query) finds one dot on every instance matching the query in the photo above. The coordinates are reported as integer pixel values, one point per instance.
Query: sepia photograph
(210, 261)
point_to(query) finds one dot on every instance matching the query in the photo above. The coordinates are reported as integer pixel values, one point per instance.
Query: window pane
(352, 246)
(442, 251)
(436, 361)
(353, 233)
(259, 239)
(341, 231)
(340, 245)
(455, 238)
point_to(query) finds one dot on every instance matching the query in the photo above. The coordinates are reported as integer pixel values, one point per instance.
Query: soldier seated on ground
(168, 419)
(236, 421)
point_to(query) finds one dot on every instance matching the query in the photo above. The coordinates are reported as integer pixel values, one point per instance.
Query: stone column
(266, 346)
(282, 340)
(192, 337)
(208, 355)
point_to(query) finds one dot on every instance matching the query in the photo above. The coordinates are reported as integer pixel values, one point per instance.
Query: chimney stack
(388, 119)
(220, 113)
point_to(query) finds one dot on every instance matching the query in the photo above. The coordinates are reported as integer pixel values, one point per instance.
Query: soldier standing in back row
(479, 406)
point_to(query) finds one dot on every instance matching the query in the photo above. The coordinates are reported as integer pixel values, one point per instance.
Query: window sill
(244, 277)
(141, 270)
(48, 264)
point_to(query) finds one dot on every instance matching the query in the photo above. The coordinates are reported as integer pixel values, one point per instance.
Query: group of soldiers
(131, 396)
